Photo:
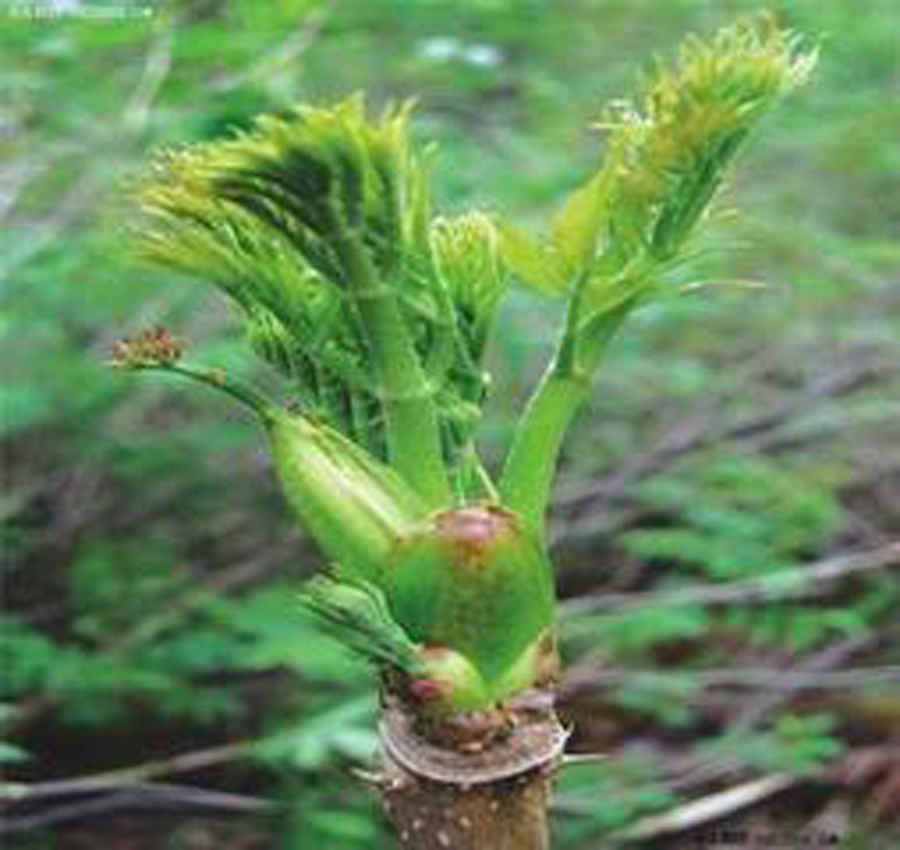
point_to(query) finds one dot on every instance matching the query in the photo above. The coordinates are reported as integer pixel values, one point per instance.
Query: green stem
(527, 478)
(531, 463)
(219, 380)
(413, 432)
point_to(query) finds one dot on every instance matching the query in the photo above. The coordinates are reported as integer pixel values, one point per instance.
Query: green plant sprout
(376, 313)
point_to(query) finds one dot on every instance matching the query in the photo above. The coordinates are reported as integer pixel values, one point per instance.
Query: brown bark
(443, 796)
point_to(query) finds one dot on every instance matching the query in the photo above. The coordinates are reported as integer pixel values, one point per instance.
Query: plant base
(471, 798)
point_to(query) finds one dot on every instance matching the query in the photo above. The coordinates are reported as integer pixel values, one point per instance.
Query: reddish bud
(472, 532)
(430, 690)
(152, 347)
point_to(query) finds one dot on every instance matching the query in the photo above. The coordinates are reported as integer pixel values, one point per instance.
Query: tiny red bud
(430, 690)
(153, 347)
(472, 532)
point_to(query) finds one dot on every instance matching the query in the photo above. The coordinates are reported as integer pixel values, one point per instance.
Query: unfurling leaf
(667, 155)
(358, 614)
(577, 227)
(467, 252)
(533, 262)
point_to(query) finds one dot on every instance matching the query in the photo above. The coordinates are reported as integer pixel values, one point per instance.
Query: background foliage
(149, 568)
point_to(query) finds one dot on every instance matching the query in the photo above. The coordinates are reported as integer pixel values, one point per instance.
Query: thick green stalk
(413, 432)
(531, 464)
(530, 468)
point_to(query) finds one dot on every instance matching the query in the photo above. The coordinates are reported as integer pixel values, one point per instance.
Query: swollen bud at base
(471, 579)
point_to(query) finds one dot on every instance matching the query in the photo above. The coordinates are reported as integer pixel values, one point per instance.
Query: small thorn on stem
(378, 780)
(570, 759)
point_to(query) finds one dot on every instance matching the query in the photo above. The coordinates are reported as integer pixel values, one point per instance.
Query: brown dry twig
(800, 582)
(140, 795)
(697, 431)
(134, 775)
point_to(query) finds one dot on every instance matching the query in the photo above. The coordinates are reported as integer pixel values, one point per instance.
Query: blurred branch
(76, 203)
(795, 583)
(603, 507)
(759, 677)
(139, 795)
(66, 812)
(129, 776)
(13, 181)
(158, 621)
(698, 770)
(157, 64)
(710, 808)
(292, 47)
(67, 212)
(690, 770)
(220, 583)
(829, 658)
(777, 684)
(698, 431)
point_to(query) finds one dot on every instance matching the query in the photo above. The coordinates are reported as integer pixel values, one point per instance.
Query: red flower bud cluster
(152, 347)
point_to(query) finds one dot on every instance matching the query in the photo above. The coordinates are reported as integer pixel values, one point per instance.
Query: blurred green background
(150, 570)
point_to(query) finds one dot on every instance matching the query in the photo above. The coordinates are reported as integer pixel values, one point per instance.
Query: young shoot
(376, 313)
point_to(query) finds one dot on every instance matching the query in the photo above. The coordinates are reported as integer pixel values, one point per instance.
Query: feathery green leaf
(359, 616)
